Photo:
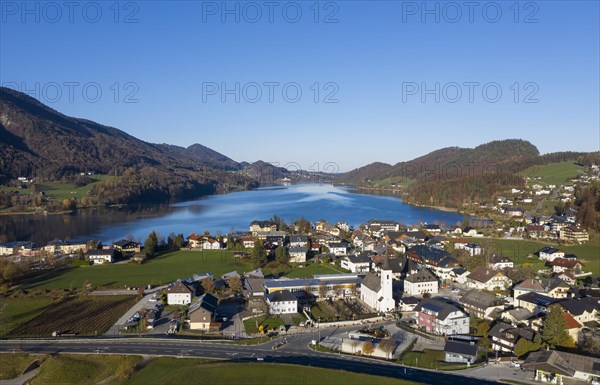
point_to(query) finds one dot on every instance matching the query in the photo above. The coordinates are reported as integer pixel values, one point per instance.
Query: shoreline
(440, 208)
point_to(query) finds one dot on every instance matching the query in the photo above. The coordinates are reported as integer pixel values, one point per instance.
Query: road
(295, 351)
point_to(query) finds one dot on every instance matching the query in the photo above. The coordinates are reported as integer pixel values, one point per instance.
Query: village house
(100, 256)
(560, 265)
(552, 287)
(211, 244)
(535, 302)
(64, 247)
(127, 247)
(472, 248)
(469, 231)
(480, 304)
(436, 316)
(574, 233)
(439, 261)
(358, 263)
(460, 352)
(550, 253)
(552, 366)
(262, 226)
(180, 294)
(298, 241)
(504, 337)
(12, 248)
(419, 282)
(248, 242)
(202, 311)
(297, 254)
(195, 241)
(484, 278)
(282, 302)
(500, 262)
(584, 310)
(338, 248)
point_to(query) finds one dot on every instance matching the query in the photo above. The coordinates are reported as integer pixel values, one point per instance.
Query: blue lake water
(223, 213)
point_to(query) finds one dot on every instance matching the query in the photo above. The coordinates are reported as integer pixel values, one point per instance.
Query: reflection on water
(221, 213)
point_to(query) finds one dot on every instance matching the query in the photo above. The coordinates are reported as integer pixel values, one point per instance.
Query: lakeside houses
(127, 247)
(58, 247)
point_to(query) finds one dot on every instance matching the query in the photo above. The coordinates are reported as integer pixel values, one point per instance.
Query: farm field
(88, 316)
(195, 372)
(165, 268)
(552, 173)
(77, 369)
(16, 311)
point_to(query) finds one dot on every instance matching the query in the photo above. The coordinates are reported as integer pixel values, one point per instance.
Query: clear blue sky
(373, 56)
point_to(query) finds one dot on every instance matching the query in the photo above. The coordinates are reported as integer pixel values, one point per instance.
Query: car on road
(515, 364)
(154, 299)
(455, 290)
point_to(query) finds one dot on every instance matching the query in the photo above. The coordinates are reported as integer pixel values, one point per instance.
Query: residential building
(460, 352)
(100, 256)
(552, 287)
(180, 294)
(480, 304)
(584, 310)
(472, 248)
(262, 226)
(560, 265)
(298, 241)
(436, 316)
(439, 261)
(211, 244)
(127, 247)
(282, 302)
(248, 242)
(358, 263)
(550, 253)
(338, 248)
(552, 366)
(202, 311)
(504, 337)
(485, 278)
(64, 247)
(500, 262)
(298, 254)
(419, 282)
(574, 234)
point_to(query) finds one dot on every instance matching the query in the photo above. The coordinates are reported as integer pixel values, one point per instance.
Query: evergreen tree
(259, 256)
(179, 241)
(281, 255)
(151, 244)
(555, 328)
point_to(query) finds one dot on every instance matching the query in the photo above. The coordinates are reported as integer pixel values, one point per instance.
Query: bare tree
(387, 345)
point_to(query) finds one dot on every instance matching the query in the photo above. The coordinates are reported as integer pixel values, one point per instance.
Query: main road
(294, 350)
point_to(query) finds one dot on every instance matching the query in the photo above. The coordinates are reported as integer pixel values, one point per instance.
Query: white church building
(376, 289)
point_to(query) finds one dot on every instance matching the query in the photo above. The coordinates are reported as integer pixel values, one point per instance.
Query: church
(376, 289)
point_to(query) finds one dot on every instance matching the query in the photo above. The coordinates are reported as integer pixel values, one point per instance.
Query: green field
(60, 191)
(16, 311)
(311, 269)
(12, 365)
(192, 372)
(399, 181)
(160, 270)
(552, 173)
(271, 323)
(75, 369)
(518, 250)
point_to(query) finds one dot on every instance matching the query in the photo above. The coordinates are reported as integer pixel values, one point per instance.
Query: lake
(222, 213)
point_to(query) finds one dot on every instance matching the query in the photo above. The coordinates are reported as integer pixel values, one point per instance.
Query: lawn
(12, 365)
(86, 369)
(552, 173)
(60, 191)
(311, 269)
(195, 372)
(271, 323)
(160, 270)
(430, 359)
(16, 311)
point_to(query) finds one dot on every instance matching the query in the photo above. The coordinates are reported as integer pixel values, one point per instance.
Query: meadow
(552, 173)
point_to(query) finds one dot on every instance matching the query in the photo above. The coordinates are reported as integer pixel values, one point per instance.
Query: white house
(282, 302)
(419, 282)
(460, 352)
(100, 256)
(359, 263)
(500, 262)
(472, 248)
(211, 244)
(179, 294)
(550, 253)
(377, 291)
(338, 248)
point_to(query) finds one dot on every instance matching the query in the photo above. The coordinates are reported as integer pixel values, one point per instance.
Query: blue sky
(371, 61)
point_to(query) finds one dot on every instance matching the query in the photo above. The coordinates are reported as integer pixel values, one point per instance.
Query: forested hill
(452, 176)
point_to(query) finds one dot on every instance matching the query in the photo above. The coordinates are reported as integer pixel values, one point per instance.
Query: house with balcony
(436, 316)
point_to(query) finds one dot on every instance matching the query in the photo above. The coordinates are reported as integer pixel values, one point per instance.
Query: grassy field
(311, 269)
(271, 323)
(518, 250)
(191, 372)
(75, 369)
(430, 359)
(12, 365)
(160, 270)
(552, 173)
(60, 191)
(85, 316)
(16, 311)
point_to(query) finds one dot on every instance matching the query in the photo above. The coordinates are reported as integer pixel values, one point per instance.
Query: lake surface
(222, 213)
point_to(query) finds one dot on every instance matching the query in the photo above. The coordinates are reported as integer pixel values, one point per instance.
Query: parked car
(515, 364)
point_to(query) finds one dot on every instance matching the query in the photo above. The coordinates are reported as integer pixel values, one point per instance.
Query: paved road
(295, 351)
